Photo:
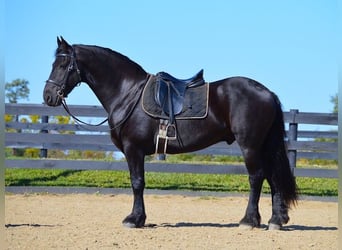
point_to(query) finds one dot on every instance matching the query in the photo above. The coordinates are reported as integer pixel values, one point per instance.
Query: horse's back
(244, 93)
(243, 87)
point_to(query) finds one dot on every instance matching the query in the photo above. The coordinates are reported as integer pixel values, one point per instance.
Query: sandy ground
(93, 221)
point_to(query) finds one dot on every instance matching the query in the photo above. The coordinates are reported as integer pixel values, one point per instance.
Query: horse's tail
(279, 167)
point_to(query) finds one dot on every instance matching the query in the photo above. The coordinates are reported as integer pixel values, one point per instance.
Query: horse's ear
(62, 43)
(59, 41)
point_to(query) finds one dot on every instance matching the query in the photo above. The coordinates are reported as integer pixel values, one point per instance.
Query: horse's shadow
(308, 228)
(191, 224)
(28, 225)
(236, 225)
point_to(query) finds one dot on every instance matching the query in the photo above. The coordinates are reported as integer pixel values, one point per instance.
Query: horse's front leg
(136, 168)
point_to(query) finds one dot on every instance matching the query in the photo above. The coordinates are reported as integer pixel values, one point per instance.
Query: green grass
(171, 181)
(163, 181)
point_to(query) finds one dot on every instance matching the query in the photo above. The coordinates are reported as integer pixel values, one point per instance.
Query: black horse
(239, 109)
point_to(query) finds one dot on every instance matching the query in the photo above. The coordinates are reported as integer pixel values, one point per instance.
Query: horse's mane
(106, 52)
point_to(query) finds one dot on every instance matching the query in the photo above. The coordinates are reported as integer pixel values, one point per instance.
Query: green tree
(14, 91)
(334, 101)
(17, 89)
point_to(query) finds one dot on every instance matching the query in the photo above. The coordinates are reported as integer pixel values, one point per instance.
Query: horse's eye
(62, 65)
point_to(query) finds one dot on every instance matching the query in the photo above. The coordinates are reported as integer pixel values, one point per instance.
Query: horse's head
(65, 74)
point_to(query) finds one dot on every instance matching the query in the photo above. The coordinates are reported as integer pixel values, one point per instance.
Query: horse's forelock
(63, 48)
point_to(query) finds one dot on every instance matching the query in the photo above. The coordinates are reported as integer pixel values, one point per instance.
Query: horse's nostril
(48, 99)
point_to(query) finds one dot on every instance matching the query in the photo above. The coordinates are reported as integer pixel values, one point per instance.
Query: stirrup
(167, 132)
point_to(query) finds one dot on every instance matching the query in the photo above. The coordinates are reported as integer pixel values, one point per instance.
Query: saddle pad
(195, 102)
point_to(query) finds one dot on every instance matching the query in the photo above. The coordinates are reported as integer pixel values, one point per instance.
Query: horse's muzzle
(51, 96)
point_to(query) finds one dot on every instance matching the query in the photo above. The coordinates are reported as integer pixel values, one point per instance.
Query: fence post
(44, 151)
(292, 136)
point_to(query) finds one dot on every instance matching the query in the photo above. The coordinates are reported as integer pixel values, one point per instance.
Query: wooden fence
(46, 136)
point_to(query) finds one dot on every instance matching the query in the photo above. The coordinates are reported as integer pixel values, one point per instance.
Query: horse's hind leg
(252, 216)
(257, 174)
(279, 208)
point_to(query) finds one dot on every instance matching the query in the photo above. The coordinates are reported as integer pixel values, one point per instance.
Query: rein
(80, 122)
(65, 106)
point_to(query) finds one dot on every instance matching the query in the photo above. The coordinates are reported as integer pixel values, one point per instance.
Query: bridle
(72, 65)
(61, 85)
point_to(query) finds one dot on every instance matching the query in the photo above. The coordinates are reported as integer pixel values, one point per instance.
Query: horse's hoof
(272, 226)
(129, 225)
(132, 221)
(245, 226)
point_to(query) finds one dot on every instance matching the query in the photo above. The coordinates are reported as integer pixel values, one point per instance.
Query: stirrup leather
(166, 132)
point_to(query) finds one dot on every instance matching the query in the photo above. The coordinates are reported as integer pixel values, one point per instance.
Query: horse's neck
(115, 79)
(114, 92)
(114, 88)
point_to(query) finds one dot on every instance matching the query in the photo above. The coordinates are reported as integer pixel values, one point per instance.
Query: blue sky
(289, 46)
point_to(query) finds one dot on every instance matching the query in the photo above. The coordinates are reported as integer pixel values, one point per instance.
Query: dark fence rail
(47, 136)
